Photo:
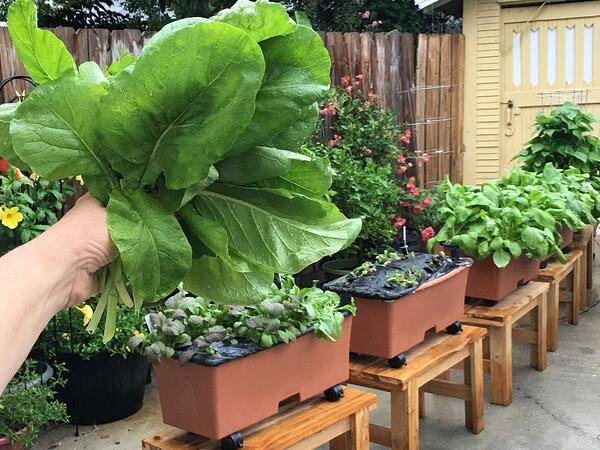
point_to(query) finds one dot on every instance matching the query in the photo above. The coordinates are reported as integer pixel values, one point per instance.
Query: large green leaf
(276, 231)
(43, 54)
(311, 178)
(261, 19)
(296, 75)
(257, 164)
(214, 280)
(155, 253)
(181, 106)
(7, 112)
(299, 131)
(54, 129)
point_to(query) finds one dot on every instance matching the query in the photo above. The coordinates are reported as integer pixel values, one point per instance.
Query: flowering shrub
(27, 207)
(372, 157)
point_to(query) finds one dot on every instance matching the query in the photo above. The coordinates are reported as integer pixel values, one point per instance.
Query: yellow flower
(137, 333)
(11, 217)
(87, 312)
(80, 179)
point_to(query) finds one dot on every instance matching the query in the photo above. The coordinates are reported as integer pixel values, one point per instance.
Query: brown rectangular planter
(388, 328)
(566, 235)
(486, 281)
(217, 401)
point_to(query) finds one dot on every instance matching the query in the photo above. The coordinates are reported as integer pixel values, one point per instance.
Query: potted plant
(400, 297)
(222, 368)
(105, 381)
(28, 206)
(510, 224)
(28, 404)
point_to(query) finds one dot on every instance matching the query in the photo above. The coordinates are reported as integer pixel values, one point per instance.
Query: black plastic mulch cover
(375, 284)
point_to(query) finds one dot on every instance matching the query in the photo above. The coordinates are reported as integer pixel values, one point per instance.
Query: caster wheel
(333, 394)
(567, 250)
(454, 328)
(397, 361)
(232, 442)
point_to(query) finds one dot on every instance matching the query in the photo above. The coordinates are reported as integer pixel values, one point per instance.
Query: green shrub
(26, 404)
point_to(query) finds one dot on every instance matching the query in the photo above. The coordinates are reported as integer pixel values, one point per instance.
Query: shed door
(550, 54)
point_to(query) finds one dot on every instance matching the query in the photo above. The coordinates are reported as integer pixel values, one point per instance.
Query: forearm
(36, 282)
(54, 271)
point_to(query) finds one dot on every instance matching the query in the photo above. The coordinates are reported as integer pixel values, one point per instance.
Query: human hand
(84, 233)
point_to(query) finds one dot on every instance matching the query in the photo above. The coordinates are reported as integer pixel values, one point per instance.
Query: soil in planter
(103, 389)
(375, 284)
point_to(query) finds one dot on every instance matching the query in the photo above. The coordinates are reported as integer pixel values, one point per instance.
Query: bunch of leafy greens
(194, 325)
(40, 201)
(192, 148)
(521, 213)
(27, 405)
(563, 138)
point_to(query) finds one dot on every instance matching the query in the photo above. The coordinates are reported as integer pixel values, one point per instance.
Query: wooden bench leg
(583, 280)
(576, 274)
(552, 313)
(501, 365)
(590, 260)
(537, 351)
(421, 403)
(474, 380)
(405, 417)
(358, 436)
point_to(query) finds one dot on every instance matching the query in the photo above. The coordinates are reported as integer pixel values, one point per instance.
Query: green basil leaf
(501, 258)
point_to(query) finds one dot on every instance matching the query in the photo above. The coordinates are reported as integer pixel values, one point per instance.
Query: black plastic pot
(104, 388)
(339, 267)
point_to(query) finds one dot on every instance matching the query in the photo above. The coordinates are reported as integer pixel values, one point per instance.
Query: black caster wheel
(333, 394)
(397, 361)
(454, 328)
(567, 250)
(232, 442)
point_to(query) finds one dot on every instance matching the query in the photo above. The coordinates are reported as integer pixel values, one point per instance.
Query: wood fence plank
(458, 74)
(394, 62)
(445, 128)
(125, 41)
(432, 104)
(366, 67)
(419, 135)
(352, 57)
(381, 78)
(407, 76)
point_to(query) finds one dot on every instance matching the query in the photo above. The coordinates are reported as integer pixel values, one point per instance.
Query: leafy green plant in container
(499, 220)
(563, 138)
(166, 143)
(189, 325)
(27, 405)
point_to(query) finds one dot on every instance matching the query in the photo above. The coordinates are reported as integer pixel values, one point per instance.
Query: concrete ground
(555, 409)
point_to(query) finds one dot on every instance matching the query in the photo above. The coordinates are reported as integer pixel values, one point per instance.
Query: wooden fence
(423, 83)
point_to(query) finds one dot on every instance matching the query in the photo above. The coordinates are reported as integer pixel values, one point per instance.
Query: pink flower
(349, 89)
(401, 159)
(402, 191)
(365, 14)
(345, 80)
(367, 104)
(399, 222)
(328, 110)
(335, 140)
(372, 96)
(368, 152)
(412, 180)
(404, 139)
(414, 191)
(404, 203)
(359, 77)
(410, 164)
(425, 157)
(427, 201)
(408, 133)
(418, 208)
(410, 185)
(400, 170)
(376, 23)
(427, 234)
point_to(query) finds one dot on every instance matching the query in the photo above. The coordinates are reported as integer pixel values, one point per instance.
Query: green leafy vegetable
(180, 144)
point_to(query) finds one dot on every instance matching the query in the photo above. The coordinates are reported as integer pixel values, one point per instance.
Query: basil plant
(192, 146)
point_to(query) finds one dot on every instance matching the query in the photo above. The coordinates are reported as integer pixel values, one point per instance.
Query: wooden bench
(301, 426)
(555, 274)
(527, 302)
(425, 364)
(582, 240)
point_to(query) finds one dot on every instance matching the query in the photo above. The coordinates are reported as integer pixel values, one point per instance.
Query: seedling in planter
(407, 278)
(192, 325)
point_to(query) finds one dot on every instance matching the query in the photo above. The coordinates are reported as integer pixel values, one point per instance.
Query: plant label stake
(404, 248)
